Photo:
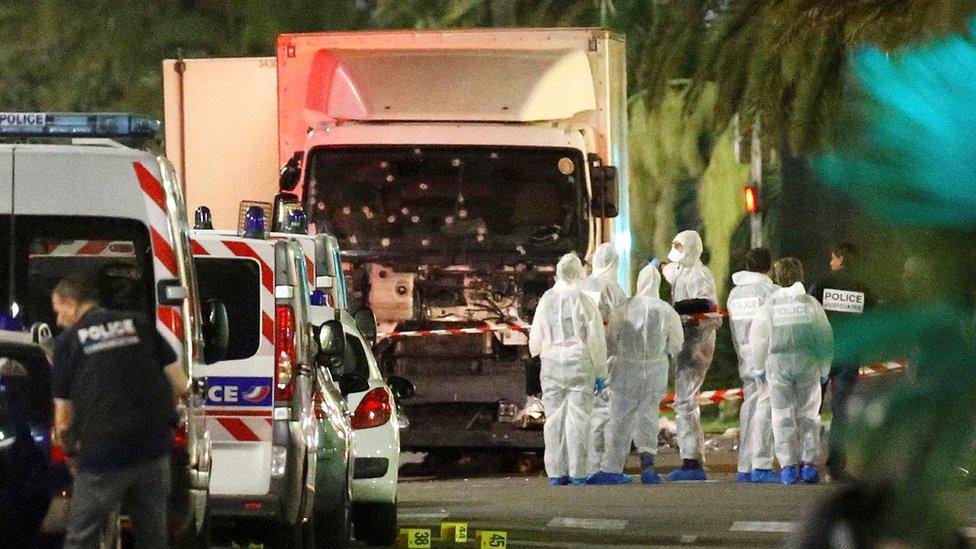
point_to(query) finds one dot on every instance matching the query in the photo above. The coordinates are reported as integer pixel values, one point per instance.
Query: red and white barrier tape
(706, 398)
(485, 329)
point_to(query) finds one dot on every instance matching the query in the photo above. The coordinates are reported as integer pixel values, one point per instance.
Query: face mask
(675, 256)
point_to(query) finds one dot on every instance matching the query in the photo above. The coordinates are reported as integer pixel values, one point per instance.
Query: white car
(376, 440)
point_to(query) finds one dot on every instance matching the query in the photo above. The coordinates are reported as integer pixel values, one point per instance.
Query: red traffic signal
(752, 199)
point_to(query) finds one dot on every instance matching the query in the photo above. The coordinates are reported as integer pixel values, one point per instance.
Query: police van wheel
(376, 523)
(332, 529)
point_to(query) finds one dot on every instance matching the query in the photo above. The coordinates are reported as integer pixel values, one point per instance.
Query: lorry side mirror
(331, 339)
(401, 387)
(216, 331)
(284, 203)
(366, 323)
(290, 173)
(603, 182)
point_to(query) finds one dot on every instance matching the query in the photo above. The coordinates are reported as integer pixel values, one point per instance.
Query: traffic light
(752, 199)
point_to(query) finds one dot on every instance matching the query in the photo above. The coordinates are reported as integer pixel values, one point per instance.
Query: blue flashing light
(10, 323)
(318, 298)
(202, 219)
(68, 124)
(297, 221)
(254, 222)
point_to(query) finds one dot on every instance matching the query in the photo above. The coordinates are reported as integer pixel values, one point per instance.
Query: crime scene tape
(706, 398)
(485, 329)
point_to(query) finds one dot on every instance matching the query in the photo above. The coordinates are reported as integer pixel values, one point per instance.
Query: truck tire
(376, 523)
(332, 528)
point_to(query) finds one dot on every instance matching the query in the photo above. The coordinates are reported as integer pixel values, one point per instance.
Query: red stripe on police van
(225, 412)
(238, 429)
(241, 249)
(150, 185)
(310, 268)
(172, 319)
(163, 251)
(93, 247)
(197, 249)
(267, 327)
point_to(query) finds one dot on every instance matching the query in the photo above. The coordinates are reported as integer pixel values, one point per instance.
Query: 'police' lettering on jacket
(843, 301)
(110, 335)
(788, 314)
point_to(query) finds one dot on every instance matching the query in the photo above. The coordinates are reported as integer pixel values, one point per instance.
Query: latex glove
(761, 377)
(655, 262)
(600, 384)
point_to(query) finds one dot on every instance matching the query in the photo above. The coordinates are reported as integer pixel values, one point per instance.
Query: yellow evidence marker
(454, 531)
(493, 540)
(417, 538)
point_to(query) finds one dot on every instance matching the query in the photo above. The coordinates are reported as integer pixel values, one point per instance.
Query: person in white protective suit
(603, 288)
(792, 342)
(567, 334)
(752, 287)
(692, 295)
(643, 333)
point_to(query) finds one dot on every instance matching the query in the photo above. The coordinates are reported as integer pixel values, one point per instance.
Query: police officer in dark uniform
(114, 381)
(843, 296)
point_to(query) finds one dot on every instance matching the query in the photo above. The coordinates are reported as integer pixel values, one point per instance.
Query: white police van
(282, 444)
(117, 213)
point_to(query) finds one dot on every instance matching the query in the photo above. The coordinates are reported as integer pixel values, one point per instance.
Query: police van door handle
(198, 385)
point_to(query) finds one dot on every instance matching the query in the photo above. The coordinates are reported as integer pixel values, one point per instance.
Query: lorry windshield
(394, 200)
(114, 252)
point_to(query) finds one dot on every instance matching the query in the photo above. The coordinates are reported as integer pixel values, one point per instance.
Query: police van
(282, 443)
(116, 213)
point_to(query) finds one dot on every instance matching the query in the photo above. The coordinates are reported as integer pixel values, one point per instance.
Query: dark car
(31, 471)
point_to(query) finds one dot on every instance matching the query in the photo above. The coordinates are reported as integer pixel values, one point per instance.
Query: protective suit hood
(605, 261)
(692, 243)
(742, 278)
(793, 291)
(569, 270)
(649, 282)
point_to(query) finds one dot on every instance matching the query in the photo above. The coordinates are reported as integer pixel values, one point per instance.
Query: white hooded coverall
(567, 333)
(755, 421)
(643, 333)
(690, 279)
(602, 284)
(791, 339)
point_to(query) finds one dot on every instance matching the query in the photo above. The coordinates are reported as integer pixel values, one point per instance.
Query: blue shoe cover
(578, 481)
(789, 475)
(765, 476)
(743, 478)
(617, 478)
(597, 478)
(647, 461)
(558, 481)
(683, 475)
(810, 475)
(650, 477)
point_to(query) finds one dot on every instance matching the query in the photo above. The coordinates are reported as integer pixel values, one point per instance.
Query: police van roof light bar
(67, 124)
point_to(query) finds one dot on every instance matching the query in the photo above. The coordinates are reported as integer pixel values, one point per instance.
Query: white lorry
(455, 168)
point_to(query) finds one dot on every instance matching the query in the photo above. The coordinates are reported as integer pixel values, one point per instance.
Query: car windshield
(114, 252)
(237, 284)
(450, 200)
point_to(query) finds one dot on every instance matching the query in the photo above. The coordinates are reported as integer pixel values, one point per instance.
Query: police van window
(237, 284)
(114, 252)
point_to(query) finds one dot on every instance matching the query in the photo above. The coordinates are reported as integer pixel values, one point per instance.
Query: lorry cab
(117, 214)
(282, 445)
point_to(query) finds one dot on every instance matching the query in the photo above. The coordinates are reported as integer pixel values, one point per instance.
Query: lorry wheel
(332, 529)
(376, 523)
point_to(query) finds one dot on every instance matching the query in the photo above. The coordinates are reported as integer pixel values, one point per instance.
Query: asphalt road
(714, 513)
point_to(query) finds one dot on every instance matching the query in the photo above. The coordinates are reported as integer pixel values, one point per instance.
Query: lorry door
(6, 178)
(239, 400)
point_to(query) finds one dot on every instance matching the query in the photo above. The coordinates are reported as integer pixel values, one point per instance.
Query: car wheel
(376, 523)
(332, 529)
